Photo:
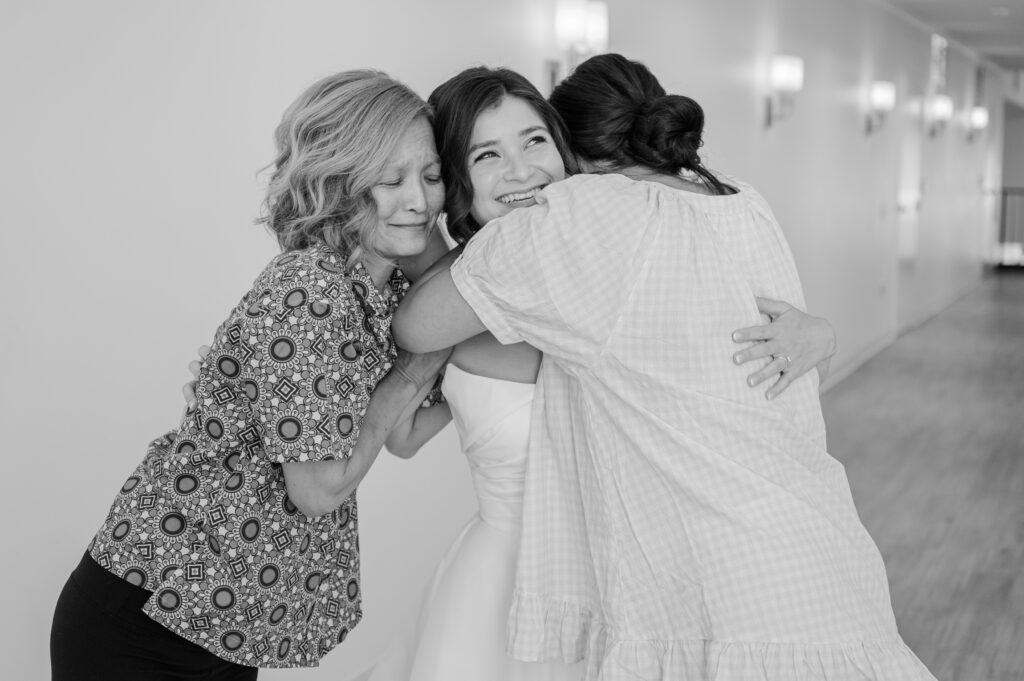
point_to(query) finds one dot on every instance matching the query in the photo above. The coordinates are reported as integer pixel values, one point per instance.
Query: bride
(500, 143)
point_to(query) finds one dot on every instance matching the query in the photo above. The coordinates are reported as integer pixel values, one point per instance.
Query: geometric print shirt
(206, 524)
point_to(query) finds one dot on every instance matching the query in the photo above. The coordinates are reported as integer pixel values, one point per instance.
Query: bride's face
(512, 156)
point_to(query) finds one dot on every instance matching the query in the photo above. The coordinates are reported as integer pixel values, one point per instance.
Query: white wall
(834, 188)
(132, 133)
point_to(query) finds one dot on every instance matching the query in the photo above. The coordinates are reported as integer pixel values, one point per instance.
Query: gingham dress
(677, 525)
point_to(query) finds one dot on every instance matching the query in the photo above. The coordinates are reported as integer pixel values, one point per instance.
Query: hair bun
(667, 132)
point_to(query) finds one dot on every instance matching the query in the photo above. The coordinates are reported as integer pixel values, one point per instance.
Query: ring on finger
(789, 361)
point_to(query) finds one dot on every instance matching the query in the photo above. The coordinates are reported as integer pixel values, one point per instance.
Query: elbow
(403, 446)
(315, 508)
(402, 451)
(333, 494)
(316, 498)
(314, 512)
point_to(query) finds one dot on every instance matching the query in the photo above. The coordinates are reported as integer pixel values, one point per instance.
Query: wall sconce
(976, 122)
(881, 101)
(939, 114)
(581, 29)
(786, 79)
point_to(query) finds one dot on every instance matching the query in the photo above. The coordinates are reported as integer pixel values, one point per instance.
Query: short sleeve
(557, 274)
(302, 358)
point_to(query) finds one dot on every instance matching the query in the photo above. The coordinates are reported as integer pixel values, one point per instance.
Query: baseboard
(839, 372)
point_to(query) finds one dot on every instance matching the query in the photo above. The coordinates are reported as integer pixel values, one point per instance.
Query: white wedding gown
(460, 635)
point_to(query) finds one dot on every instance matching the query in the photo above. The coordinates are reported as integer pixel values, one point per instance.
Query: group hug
(618, 333)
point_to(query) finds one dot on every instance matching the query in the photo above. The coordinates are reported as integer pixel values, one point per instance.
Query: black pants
(100, 632)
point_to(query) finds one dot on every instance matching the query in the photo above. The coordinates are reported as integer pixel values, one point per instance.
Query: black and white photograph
(513, 340)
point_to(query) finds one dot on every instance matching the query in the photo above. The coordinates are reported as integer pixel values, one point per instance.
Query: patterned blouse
(206, 523)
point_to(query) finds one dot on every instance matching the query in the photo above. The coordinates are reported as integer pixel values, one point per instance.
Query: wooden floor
(932, 435)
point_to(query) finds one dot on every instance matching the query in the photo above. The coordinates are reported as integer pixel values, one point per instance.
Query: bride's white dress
(460, 635)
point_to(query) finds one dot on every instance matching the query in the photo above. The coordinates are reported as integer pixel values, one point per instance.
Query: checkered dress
(677, 525)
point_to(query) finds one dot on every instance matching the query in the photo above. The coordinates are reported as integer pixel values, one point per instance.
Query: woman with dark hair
(676, 525)
(457, 104)
(501, 144)
(234, 545)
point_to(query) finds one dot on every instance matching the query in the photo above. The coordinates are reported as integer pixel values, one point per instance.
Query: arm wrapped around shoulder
(395, 416)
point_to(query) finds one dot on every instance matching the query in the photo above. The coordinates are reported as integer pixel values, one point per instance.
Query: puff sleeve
(556, 274)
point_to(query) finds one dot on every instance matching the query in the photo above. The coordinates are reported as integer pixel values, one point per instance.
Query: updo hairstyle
(618, 114)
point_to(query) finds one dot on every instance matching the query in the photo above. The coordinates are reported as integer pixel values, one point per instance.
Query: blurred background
(888, 137)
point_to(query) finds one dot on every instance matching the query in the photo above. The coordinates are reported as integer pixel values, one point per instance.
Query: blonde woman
(235, 546)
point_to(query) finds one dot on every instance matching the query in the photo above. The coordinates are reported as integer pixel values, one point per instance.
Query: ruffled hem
(543, 629)
(877, 660)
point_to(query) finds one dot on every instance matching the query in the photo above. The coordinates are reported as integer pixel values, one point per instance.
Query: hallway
(931, 432)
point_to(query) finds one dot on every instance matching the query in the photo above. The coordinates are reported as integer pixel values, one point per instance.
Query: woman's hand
(796, 341)
(165, 440)
(189, 389)
(317, 487)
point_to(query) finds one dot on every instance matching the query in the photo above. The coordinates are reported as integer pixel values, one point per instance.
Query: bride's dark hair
(457, 103)
(617, 112)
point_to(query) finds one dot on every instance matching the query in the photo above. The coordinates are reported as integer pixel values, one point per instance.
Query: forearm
(829, 341)
(434, 315)
(387, 405)
(414, 432)
(319, 487)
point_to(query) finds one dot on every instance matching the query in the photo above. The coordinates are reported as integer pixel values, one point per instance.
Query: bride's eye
(484, 155)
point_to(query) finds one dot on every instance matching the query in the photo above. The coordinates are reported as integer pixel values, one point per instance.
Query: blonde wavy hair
(332, 146)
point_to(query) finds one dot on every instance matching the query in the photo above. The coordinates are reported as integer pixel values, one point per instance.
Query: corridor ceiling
(992, 28)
